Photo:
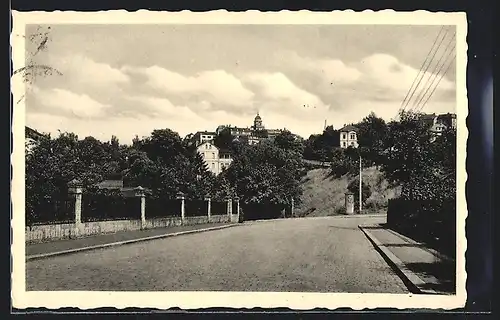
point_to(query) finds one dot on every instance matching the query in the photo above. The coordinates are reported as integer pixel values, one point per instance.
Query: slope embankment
(324, 195)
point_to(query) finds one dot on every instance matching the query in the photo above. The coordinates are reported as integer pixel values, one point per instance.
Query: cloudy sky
(128, 80)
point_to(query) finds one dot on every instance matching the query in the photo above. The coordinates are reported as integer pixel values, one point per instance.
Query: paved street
(309, 255)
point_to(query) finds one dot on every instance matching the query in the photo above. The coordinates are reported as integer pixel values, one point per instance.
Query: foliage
(423, 166)
(320, 147)
(161, 162)
(267, 172)
(371, 136)
(354, 188)
(287, 141)
(224, 140)
(408, 154)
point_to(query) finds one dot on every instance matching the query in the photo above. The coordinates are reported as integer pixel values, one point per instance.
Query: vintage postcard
(220, 159)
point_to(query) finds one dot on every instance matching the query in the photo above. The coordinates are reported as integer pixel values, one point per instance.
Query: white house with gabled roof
(215, 159)
(349, 136)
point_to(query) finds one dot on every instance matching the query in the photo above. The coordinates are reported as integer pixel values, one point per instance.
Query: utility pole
(360, 184)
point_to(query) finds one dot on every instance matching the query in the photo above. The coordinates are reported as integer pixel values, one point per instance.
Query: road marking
(118, 243)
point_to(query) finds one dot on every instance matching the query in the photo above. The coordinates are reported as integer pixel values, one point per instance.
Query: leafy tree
(266, 173)
(287, 141)
(224, 140)
(408, 157)
(372, 134)
(354, 188)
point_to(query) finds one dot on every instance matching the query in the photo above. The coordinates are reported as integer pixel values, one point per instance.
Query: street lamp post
(360, 184)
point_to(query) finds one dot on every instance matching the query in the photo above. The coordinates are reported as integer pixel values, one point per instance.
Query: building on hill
(201, 137)
(31, 137)
(439, 123)
(448, 119)
(115, 182)
(254, 134)
(215, 159)
(348, 136)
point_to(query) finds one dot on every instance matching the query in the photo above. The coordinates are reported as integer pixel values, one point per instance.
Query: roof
(208, 142)
(447, 115)
(206, 132)
(31, 133)
(428, 116)
(349, 128)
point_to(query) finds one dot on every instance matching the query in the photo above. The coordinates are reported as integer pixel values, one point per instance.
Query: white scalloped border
(86, 300)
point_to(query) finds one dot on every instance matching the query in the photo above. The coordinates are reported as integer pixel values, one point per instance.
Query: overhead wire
(439, 81)
(421, 68)
(433, 75)
(427, 68)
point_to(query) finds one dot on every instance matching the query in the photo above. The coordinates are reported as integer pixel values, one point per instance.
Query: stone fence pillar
(292, 208)
(209, 206)
(180, 196)
(140, 192)
(349, 203)
(75, 188)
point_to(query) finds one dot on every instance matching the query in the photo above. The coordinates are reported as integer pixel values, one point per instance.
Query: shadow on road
(375, 226)
(444, 271)
(344, 228)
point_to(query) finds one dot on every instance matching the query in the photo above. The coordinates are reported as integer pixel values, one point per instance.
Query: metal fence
(218, 208)
(196, 208)
(99, 207)
(161, 207)
(51, 210)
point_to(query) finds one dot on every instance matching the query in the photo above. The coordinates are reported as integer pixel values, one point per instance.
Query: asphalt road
(295, 255)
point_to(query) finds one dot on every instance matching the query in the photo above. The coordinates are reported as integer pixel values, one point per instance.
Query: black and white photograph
(288, 159)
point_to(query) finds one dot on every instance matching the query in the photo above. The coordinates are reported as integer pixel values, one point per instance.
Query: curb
(413, 282)
(323, 217)
(118, 243)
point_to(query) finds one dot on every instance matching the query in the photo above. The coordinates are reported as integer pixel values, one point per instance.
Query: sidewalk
(423, 269)
(94, 242)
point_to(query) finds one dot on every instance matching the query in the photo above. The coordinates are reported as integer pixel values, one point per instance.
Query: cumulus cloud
(86, 99)
(78, 68)
(164, 108)
(68, 103)
(377, 77)
(218, 86)
(387, 71)
(278, 93)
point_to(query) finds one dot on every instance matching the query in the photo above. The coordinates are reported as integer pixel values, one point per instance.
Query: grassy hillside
(324, 195)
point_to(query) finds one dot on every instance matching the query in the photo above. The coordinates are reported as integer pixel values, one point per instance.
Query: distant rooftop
(349, 128)
(32, 133)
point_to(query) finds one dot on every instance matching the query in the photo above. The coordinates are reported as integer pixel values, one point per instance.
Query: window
(353, 136)
(343, 144)
(344, 136)
(352, 143)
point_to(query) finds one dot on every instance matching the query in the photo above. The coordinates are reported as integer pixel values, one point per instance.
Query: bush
(340, 210)
(354, 188)
(429, 221)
